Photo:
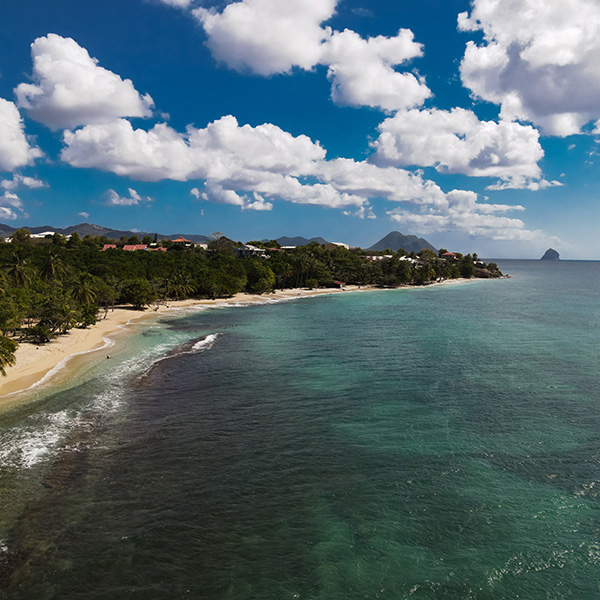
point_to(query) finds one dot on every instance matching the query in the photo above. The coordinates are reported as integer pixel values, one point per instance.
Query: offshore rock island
(551, 254)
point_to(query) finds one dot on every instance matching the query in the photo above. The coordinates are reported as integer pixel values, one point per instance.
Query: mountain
(551, 254)
(298, 241)
(84, 229)
(396, 241)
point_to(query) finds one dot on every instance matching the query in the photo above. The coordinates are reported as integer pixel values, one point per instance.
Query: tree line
(48, 286)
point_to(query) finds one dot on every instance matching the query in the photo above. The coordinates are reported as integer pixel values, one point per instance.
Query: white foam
(205, 344)
(27, 446)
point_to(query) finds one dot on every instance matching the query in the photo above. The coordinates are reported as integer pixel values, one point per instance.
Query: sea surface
(429, 443)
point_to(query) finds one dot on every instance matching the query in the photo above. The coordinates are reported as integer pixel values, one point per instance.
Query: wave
(194, 347)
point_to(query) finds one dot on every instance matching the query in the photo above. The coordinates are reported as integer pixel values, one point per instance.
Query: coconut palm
(52, 269)
(17, 270)
(83, 290)
(7, 353)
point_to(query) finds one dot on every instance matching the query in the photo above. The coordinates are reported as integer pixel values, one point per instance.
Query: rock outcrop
(551, 254)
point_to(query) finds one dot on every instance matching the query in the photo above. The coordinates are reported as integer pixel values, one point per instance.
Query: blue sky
(472, 123)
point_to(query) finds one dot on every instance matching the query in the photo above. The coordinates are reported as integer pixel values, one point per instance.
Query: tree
(74, 241)
(17, 270)
(138, 292)
(21, 236)
(8, 348)
(52, 269)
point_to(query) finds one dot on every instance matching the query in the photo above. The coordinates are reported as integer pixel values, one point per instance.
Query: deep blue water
(439, 442)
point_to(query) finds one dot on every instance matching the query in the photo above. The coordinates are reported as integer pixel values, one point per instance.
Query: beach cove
(45, 363)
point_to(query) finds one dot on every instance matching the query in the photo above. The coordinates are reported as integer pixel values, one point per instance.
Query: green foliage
(8, 348)
(138, 292)
(48, 288)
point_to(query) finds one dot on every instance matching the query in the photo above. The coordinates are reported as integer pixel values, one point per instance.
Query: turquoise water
(429, 443)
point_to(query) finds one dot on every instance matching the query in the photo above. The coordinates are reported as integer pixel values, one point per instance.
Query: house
(134, 247)
(449, 255)
(108, 247)
(334, 245)
(248, 250)
(185, 242)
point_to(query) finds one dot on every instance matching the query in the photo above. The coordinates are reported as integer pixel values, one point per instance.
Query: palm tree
(83, 290)
(17, 270)
(7, 353)
(53, 269)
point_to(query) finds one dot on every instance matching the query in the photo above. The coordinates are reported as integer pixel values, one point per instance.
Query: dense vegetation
(51, 285)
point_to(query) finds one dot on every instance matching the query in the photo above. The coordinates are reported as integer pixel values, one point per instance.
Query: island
(551, 254)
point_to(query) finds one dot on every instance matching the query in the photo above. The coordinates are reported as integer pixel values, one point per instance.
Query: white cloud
(457, 141)
(215, 193)
(11, 207)
(84, 215)
(70, 89)
(20, 181)
(267, 36)
(113, 199)
(220, 151)
(539, 60)
(463, 213)
(251, 167)
(177, 3)
(15, 150)
(362, 71)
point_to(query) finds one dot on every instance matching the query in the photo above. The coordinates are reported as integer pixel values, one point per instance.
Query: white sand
(34, 363)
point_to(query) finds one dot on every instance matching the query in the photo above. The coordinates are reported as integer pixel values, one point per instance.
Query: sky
(472, 123)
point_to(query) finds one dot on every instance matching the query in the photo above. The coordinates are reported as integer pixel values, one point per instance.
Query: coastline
(45, 364)
(36, 365)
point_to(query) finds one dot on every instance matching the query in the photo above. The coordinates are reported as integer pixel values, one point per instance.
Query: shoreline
(40, 365)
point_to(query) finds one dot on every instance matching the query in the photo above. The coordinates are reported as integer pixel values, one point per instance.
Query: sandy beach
(47, 362)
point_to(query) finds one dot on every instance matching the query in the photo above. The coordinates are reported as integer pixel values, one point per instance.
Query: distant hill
(396, 241)
(298, 241)
(84, 229)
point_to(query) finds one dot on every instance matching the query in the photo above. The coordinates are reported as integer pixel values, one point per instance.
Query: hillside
(396, 241)
(83, 229)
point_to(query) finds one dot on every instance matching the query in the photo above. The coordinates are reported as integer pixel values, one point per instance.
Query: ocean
(426, 443)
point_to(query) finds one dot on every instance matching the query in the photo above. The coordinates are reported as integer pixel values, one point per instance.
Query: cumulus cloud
(251, 167)
(463, 213)
(219, 151)
(215, 193)
(362, 71)
(84, 215)
(538, 60)
(268, 37)
(71, 89)
(113, 199)
(22, 181)
(11, 207)
(15, 150)
(457, 141)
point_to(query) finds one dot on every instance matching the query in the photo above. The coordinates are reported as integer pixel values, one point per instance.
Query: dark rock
(551, 254)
